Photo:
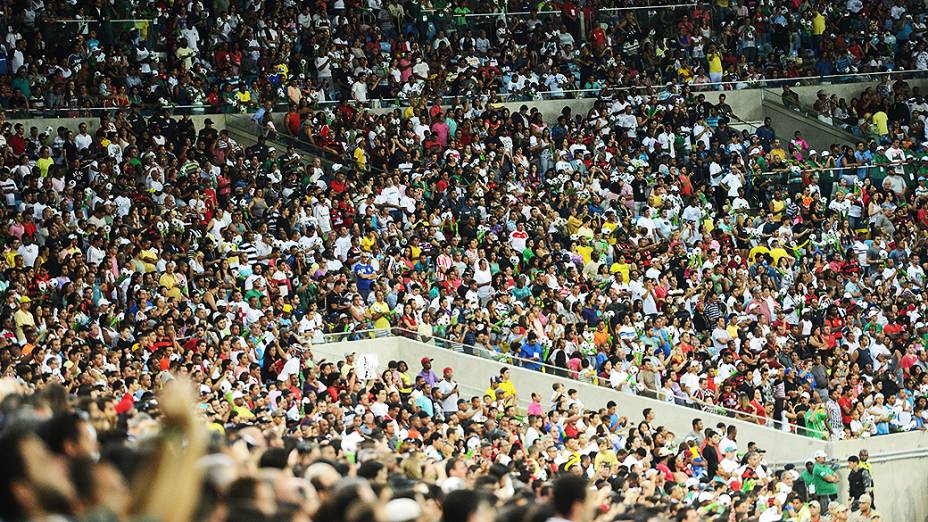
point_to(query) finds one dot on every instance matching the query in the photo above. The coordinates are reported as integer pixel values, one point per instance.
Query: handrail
(647, 7)
(101, 21)
(553, 12)
(498, 13)
(500, 97)
(830, 169)
(556, 371)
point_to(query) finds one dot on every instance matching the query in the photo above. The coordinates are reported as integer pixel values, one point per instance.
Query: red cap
(426, 360)
(448, 370)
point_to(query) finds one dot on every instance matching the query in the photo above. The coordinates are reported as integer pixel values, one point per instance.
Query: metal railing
(853, 168)
(498, 97)
(556, 371)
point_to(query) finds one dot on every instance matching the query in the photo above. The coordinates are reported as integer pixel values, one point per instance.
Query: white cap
(820, 454)
(452, 484)
(237, 395)
(402, 510)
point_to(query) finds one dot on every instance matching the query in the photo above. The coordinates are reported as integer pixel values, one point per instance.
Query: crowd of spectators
(878, 114)
(324, 444)
(233, 56)
(650, 244)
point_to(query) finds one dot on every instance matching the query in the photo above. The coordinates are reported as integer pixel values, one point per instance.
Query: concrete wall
(900, 486)
(746, 103)
(901, 477)
(550, 109)
(93, 122)
(475, 373)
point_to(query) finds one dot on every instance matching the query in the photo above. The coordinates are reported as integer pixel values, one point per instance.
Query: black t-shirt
(638, 186)
(208, 135)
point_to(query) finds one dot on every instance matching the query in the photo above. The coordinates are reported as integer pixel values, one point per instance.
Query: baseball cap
(447, 370)
(820, 454)
(237, 395)
(402, 510)
(426, 360)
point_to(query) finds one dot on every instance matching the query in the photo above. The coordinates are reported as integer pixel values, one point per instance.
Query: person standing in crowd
(824, 483)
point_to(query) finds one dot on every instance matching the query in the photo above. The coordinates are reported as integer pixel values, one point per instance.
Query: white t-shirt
(83, 141)
(733, 182)
(359, 91)
(481, 277)
(450, 401)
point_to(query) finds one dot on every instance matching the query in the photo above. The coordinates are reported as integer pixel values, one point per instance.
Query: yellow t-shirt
(508, 387)
(715, 62)
(170, 283)
(818, 24)
(880, 119)
(610, 229)
(573, 223)
(43, 164)
(407, 383)
(22, 318)
(586, 253)
(360, 158)
(585, 231)
(384, 308)
(778, 207)
(732, 330)
(622, 268)
(605, 457)
(243, 412)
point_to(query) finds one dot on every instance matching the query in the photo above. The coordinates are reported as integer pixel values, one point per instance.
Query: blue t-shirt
(528, 351)
(364, 269)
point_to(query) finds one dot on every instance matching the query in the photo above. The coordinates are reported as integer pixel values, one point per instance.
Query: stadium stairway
(786, 121)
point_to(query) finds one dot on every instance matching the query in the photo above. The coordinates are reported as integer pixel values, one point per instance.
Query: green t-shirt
(815, 422)
(822, 486)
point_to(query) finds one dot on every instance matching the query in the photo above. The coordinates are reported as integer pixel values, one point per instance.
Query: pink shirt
(441, 128)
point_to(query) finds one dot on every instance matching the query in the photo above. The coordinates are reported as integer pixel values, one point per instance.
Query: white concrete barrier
(900, 461)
